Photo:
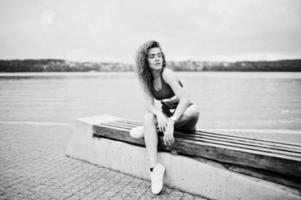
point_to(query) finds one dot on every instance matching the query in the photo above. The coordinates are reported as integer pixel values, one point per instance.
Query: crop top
(165, 92)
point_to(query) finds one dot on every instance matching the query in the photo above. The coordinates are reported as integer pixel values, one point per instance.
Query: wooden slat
(284, 164)
(116, 124)
(223, 135)
(123, 124)
(293, 147)
(240, 145)
(116, 134)
(255, 159)
(243, 142)
(238, 149)
(297, 145)
(255, 139)
(138, 123)
(248, 144)
(271, 144)
(232, 143)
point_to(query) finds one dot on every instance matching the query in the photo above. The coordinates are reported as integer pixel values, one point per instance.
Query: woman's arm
(179, 91)
(161, 118)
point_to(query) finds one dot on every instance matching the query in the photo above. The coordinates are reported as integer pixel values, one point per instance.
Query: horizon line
(175, 60)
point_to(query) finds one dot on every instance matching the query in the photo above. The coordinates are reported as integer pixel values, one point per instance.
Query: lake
(227, 100)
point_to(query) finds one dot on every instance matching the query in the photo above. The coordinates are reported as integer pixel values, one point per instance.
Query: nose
(157, 58)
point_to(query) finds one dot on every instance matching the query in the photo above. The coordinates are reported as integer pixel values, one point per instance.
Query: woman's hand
(168, 134)
(162, 122)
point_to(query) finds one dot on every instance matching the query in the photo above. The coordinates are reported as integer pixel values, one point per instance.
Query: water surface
(227, 100)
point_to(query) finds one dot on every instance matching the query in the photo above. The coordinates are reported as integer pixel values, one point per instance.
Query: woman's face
(155, 58)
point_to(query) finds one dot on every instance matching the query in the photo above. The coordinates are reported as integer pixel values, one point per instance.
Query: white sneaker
(137, 132)
(157, 178)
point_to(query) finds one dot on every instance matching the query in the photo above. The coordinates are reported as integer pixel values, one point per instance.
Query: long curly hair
(142, 66)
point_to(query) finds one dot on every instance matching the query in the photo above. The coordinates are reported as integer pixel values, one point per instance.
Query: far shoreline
(189, 74)
(60, 65)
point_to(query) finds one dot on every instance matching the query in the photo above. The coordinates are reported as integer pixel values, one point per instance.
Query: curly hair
(142, 66)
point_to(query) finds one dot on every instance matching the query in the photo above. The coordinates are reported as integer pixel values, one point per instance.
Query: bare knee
(149, 119)
(192, 111)
(189, 119)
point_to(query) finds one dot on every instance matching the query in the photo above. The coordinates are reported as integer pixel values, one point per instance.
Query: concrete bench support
(201, 177)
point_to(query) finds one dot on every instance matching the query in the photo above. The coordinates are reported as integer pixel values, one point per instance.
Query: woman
(177, 113)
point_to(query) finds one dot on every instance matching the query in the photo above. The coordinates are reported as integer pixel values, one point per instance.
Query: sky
(113, 30)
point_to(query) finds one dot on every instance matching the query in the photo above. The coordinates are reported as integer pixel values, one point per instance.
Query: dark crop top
(165, 92)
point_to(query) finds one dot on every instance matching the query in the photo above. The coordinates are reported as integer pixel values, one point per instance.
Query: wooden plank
(297, 145)
(233, 148)
(286, 146)
(137, 123)
(272, 148)
(116, 124)
(245, 146)
(249, 158)
(123, 124)
(208, 142)
(251, 141)
(270, 162)
(116, 134)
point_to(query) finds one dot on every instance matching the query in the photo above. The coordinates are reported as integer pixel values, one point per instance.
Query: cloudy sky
(112, 30)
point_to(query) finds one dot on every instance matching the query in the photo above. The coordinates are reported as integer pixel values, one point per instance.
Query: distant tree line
(59, 65)
(280, 65)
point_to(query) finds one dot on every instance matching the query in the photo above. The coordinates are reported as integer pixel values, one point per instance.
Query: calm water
(226, 100)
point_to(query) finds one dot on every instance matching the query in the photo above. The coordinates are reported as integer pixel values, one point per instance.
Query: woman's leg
(189, 119)
(151, 138)
(151, 142)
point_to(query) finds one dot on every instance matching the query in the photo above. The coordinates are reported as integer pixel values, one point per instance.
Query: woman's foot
(157, 175)
(137, 132)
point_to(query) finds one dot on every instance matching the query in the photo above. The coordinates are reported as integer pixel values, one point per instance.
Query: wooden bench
(274, 161)
(270, 164)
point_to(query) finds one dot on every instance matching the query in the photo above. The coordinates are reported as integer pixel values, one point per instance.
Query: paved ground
(33, 166)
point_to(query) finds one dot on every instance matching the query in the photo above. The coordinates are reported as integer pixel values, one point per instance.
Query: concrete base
(202, 177)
